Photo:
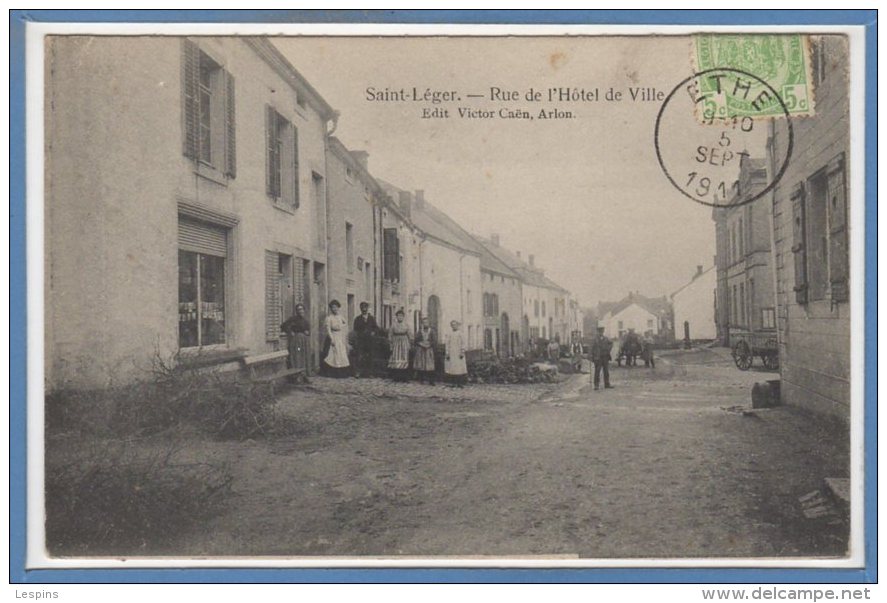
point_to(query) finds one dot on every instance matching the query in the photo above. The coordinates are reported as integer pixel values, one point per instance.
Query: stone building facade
(812, 250)
(354, 230)
(745, 300)
(186, 224)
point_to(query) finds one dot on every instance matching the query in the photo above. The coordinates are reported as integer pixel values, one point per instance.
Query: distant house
(502, 301)
(694, 306)
(639, 313)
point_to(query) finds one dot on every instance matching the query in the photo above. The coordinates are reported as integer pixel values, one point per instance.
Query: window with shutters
(820, 235)
(281, 160)
(202, 255)
(390, 255)
(208, 113)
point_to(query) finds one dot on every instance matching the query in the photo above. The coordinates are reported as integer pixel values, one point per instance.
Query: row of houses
(195, 193)
(782, 261)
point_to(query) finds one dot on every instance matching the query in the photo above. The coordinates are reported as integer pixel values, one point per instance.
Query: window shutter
(295, 167)
(271, 183)
(202, 237)
(299, 280)
(839, 251)
(286, 192)
(230, 130)
(190, 107)
(272, 296)
(391, 255)
(799, 246)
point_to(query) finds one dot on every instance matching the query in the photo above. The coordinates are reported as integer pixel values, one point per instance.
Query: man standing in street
(365, 329)
(600, 355)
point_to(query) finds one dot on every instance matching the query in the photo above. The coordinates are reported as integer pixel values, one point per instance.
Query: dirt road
(653, 468)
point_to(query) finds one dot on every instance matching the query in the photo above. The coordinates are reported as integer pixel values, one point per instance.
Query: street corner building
(744, 301)
(783, 259)
(185, 187)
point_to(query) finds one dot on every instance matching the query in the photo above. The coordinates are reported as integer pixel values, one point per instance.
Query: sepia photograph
(544, 299)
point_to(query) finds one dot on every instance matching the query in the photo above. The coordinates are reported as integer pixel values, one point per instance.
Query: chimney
(406, 204)
(532, 259)
(494, 239)
(362, 157)
(698, 269)
(420, 199)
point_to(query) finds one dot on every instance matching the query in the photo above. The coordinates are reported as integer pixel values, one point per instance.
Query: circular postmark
(703, 148)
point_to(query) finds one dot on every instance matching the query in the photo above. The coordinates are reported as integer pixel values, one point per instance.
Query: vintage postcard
(357, 296)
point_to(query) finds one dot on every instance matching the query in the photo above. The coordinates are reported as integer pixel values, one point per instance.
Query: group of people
(408, 354)
(630, 346)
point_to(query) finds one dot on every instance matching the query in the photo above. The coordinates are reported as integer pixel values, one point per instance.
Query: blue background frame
(18, 301)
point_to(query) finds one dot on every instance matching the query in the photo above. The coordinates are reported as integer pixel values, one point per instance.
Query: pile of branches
(510, 371)
(112, 500)
(214, 403)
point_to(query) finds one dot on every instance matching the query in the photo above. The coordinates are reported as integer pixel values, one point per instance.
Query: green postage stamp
(782, 61)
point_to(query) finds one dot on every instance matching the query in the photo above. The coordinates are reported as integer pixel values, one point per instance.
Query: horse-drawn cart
(748, 344)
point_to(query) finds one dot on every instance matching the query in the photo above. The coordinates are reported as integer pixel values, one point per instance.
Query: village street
(663, 465)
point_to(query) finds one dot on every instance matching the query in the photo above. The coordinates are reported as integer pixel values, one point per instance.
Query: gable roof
(654, 305)
(530, 275)
(490, 262)
(696, 277)
(435, 223)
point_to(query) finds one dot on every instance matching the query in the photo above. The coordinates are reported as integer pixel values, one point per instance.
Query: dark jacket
(600, 349)
(365, 328)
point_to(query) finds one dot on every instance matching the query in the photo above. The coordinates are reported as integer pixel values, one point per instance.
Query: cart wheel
(742, 356)
(771, 361)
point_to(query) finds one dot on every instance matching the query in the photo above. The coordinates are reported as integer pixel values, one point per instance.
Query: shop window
(202, 257)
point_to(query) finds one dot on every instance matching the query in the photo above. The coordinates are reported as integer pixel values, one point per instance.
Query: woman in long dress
(399, 338)
(423, 362)
(298, 335)
(455, 365)
(336, 361)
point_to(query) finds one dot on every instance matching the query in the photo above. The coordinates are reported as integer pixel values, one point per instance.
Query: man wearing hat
(365, 328)
(600, 355)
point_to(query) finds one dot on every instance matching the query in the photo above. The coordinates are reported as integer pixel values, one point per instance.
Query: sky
(586, 196)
